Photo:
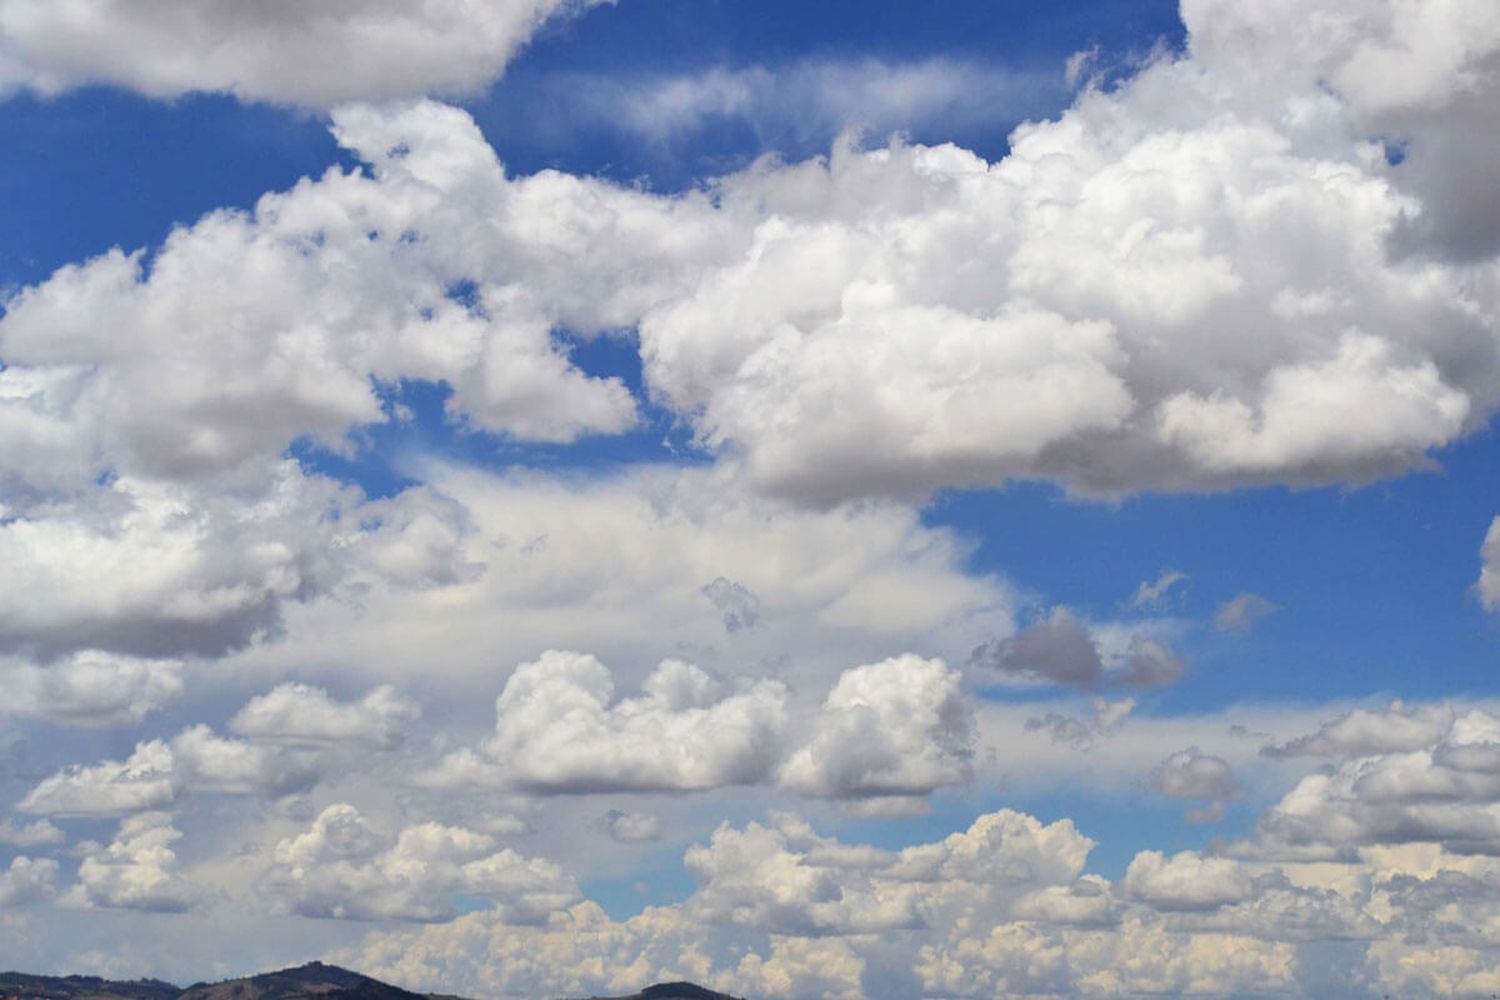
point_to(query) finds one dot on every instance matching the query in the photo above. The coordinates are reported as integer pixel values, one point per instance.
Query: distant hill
(314, 981)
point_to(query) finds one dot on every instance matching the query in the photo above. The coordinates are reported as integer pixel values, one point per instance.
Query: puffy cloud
(35, 834)
(899, 728)
(559, 728)
(159, 771)
(89, 688)
(786, 879)
(1186, 881)
(1243, 612)
(1192, 774)
(1447, 792)
(135, 871)
(1362, 732)
(302, 714)
(27, 880)
(144, 781)
(295, 54)
(1488, 586)
(343, 868)
(1061, 649)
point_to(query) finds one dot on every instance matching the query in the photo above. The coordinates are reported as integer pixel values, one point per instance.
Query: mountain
(314, 981)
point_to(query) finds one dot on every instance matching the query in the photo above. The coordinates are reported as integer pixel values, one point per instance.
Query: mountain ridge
(311, 981)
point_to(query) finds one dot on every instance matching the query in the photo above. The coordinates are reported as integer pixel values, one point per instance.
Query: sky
(529, 498)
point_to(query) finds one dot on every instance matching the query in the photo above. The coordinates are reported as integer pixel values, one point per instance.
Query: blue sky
(868, 501)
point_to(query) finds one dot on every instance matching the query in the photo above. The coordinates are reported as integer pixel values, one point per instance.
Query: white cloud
(302, 714)
(1186, 881)
(1446, 792)
(1156, 593)
(89, 688)
(135, 871)
(899, 728)
(1243, 612)
(560, 728)
(36, 834)
(1488, 586)
(342, 868)
(1362, 732)
(27, 880)
(294, 54)
(158, 772)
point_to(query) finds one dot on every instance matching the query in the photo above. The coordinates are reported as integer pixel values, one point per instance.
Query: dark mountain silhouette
(314, 981)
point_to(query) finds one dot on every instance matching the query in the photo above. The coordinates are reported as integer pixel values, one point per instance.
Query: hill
(313, 981)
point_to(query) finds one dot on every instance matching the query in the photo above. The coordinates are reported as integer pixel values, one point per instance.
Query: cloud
(740, 606)
(27, 880)
(1488, 587)
(1243, 612)
(1186, 881)
(292, 54)
(37, 834)
(158, 772)
(809, 101)
(896, 729)
(1060, 649)
(560, 729)
(1084, 733)
(1446, 792)
(301, 714)
(135, 871)
(1155, 594)
(342, 868)
(89, 688)
(631, 828)
(1192, 774)
(1362, 732)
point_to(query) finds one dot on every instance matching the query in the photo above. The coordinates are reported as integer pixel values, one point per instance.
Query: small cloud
(1157, 593)
(630, 828)
(1192, 774)
(1243, 612)
(736, 602)
(1083, 733)
(1062, 649)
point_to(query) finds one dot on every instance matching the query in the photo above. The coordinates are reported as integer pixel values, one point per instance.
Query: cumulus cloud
(896, 729)
(1488, 587)
(294, 54)
(158, 772)
(1446, 792)
(89, 688)
(27, 880)
(1061, 649)
(35, 834)
(1243, 612)
(784, 878)
(1364, 732)
(560, 728)
(343, 868)
(1186, 881)
(300, 713)
(135, 871)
